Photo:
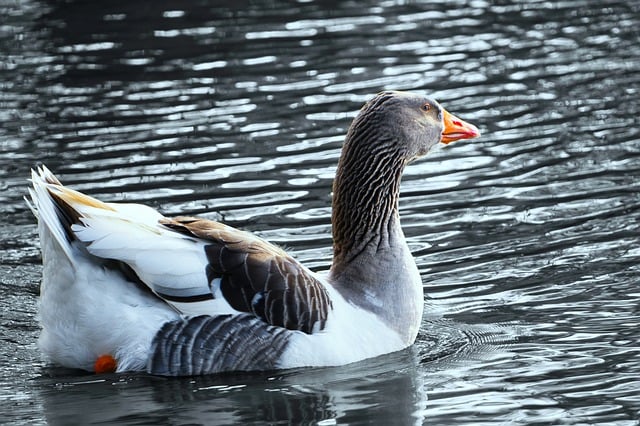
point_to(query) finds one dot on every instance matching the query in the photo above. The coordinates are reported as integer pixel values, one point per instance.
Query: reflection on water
(295, 397)
(527, 239)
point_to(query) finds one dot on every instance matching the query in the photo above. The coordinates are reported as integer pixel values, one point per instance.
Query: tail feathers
(52, 218)
(70, 216)
(58, 208)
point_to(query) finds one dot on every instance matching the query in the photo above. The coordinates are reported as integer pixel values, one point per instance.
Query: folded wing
(200, 267)
(257, 277)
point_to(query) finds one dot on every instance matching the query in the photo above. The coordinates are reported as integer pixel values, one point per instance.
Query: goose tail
(55, 216)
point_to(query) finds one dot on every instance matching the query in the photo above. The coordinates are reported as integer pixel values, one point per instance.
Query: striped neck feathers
(366, 192)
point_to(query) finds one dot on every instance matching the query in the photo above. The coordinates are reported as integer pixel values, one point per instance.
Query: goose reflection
(388, 389)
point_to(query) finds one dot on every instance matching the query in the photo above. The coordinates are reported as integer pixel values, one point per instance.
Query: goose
(125, 288)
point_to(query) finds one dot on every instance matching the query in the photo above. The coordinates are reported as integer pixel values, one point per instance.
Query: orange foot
(105, 364)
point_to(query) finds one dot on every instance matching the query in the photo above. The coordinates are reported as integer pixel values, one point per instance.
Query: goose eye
(425, 107)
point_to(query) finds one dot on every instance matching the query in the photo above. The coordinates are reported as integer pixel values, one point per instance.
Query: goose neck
(365, 204)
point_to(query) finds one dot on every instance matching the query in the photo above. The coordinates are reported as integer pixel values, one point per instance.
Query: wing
(257, 277)
(198, 266)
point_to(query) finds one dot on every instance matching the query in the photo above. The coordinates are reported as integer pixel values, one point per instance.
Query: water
(527, 239)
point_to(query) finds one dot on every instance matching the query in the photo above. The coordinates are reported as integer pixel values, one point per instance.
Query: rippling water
(527, 239)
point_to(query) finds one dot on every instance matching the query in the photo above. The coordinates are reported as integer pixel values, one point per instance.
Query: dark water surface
(527, 239)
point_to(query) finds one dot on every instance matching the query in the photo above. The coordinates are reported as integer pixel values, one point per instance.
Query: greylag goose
(126, 289)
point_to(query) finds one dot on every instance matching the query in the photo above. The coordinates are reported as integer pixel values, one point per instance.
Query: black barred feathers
(215, 344)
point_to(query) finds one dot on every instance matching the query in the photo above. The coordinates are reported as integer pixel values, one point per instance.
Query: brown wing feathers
(258, 277)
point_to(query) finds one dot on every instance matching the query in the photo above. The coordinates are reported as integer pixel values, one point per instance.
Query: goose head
(406, 125)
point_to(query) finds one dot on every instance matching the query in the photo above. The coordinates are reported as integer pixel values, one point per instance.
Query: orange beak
(455, 129)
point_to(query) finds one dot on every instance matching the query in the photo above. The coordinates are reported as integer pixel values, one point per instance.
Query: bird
(127, 289)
